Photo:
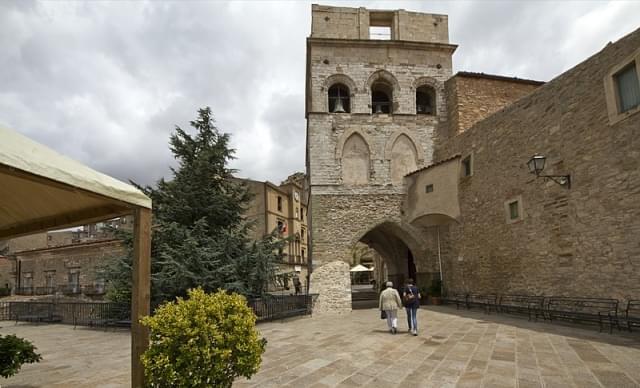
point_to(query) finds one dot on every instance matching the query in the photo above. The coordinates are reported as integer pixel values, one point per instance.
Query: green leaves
(199, 234)
(14, 352)
(207, 340)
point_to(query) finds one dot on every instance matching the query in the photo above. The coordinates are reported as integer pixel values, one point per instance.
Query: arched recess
(398, 244)
(427, 220)
(425, 91)
(429, 81)
(383, 76)
(338, 79)
(386, 83)
(355, 161)
(392, 140)
(404, 158)
(346, 135)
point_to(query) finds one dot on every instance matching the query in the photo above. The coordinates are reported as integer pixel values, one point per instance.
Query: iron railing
(267, 308)
(80, 313)
(272, 307)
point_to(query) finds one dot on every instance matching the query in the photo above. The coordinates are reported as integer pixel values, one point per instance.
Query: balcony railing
(89, 290)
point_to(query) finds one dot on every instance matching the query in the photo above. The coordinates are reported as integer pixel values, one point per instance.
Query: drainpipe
(440, 261)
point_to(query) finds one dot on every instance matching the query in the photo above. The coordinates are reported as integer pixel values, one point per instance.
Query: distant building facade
(283, 209)
(62, 262)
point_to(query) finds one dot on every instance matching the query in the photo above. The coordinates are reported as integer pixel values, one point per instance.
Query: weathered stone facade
(577, 241)
(472, 97)
(68, 269)
(357, 159)
(285, 207)
(477, 210)
(332, 283)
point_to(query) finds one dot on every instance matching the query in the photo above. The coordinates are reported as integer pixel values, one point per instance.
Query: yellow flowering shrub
(207, 340)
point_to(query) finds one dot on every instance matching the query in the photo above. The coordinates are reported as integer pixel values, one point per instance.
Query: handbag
(383, 314)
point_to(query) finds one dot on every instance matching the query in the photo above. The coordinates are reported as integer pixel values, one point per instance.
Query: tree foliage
(199, 232)
(206, 340)
(14, 352)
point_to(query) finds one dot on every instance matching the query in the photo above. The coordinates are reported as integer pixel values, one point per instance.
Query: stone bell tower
(374, 100)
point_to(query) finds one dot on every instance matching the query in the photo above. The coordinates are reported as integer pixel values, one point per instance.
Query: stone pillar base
(332, 283)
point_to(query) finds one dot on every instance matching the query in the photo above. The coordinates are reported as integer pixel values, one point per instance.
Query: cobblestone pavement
(453, 349)
(72, 358)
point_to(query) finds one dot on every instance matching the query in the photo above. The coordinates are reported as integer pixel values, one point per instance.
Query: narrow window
(380, 25)
(428, 189)
(425, 101)
(301, 214)
(282, 227)
(279, 203)
(381, 97)
(514, 212)
(466, 166)
(628, 88)
(303, 232)
(339, 100)
(303, 258)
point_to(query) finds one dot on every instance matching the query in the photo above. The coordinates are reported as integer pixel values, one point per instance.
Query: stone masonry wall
(332, 283)
(339, 51)
(581, 241)
(353, 23)
(471, 97)
(82, 257)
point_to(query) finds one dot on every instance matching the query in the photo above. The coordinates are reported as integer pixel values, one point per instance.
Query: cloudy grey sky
(106, 82)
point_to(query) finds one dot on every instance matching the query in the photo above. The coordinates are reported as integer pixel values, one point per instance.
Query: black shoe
(394, 330)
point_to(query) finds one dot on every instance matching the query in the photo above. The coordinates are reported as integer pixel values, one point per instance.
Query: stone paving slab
(455, 348)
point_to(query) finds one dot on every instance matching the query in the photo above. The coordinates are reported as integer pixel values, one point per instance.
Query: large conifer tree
(199, 236)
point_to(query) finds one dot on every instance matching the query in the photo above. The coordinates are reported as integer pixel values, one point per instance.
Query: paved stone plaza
(454, 348)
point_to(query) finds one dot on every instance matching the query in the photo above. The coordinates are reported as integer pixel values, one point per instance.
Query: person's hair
(409, 281)
(389, 284)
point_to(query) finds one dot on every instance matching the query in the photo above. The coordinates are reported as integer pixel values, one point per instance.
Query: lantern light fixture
(536, 166)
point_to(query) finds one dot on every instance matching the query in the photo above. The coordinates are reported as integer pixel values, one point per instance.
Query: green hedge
(207, 340)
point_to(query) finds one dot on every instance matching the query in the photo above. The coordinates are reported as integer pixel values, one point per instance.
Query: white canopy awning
(41, 189)
(360, 268)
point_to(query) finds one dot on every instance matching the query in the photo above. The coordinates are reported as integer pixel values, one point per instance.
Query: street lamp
(536, 166)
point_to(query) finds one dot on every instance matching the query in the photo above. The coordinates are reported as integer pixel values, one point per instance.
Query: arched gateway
(357, 158)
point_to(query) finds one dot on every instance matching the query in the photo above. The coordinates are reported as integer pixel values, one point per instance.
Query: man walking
(411, 299)
(390, 303)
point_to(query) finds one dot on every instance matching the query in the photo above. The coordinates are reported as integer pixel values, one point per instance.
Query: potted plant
(435, 291)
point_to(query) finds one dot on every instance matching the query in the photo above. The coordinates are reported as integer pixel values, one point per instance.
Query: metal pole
(440, 262)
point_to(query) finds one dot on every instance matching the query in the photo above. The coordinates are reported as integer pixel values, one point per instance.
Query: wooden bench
(457, 299)
(632, 314)
(487, 302)
(588, 310)
(521, 304)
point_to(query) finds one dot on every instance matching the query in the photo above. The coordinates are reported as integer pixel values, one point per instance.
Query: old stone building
(61, 262)
(373, 108)
(283, 209)
(71, 270)
(519, 234)
(430, 169)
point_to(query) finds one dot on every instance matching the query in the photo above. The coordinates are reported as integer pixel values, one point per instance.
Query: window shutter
(628, 88)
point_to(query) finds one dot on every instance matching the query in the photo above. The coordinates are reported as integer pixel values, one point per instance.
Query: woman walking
(390, 303)
(411, 298)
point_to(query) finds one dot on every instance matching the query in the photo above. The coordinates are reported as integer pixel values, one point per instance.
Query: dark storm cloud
(106, 82)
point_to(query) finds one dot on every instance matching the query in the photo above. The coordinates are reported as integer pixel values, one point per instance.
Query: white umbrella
(360, 268)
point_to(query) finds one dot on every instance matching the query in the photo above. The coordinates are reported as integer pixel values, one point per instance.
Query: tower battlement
(369, 24)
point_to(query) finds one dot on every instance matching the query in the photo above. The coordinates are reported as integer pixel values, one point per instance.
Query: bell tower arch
(365, 134)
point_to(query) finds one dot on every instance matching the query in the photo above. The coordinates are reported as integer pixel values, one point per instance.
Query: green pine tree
(199, 237)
